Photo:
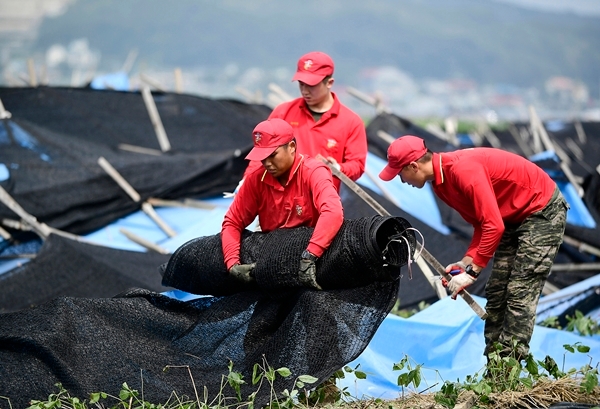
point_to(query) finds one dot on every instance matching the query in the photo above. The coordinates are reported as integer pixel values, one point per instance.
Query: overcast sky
(581, 7)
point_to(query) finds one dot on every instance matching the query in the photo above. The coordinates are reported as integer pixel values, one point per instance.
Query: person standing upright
(322, 124)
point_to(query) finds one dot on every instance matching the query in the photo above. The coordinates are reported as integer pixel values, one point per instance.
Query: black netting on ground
(96, 344)
(56, 135)
(396, 127)
(354, 259)
(65, 267)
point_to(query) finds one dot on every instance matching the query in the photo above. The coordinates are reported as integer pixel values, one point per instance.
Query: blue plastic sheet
(447, 340)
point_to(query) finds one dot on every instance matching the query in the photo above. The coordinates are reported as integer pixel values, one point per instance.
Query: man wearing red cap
(289, 190)
(322, 124)
(518, 215)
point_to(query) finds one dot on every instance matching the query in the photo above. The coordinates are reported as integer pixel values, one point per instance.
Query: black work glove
(308, 273)
(243, 272)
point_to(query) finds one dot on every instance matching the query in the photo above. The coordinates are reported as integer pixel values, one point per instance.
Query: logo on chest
(299, 210)
(331, 143)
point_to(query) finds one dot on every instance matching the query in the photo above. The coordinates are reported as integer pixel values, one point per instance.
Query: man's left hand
(459, 282)
(308, 274)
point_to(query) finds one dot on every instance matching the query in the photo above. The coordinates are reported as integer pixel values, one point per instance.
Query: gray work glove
(243, 272)
(308, 273)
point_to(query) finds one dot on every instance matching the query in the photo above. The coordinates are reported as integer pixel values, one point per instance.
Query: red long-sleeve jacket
(339, 133)
(490, 187)
(308, 199)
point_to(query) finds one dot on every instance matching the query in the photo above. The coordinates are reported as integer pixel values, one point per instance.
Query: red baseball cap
(401, 152)
(268, 136)
(313, 67)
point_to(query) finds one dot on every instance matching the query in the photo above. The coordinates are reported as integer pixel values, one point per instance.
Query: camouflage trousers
(521, 266)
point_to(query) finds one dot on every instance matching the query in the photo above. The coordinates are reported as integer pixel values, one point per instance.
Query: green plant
(328, 392)
(550, 322)
(583, 325)
(505, 373)
(405, 313)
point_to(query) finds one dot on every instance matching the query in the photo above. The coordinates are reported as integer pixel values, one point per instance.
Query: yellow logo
(257, 137)
(331, 143)
(299, 210)
(308, 64)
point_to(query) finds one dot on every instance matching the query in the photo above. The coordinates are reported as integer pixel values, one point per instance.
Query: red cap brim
(308, 78)
(388, 173)
(258, 153)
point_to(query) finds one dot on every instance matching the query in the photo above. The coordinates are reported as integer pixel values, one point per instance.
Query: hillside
(484, 40)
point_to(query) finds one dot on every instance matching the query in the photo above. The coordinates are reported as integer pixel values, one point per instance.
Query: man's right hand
(243, 272)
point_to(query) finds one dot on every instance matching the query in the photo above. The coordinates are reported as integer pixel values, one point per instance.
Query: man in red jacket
(518, 215)
(321, 123)
(289, 190)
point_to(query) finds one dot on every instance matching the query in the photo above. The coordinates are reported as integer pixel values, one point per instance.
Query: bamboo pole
(139, 149)
(152, 82)
(40, 228)
(178, 80)
(143, 242)
(575, 267)
(280, 92)
(163, 140)
(135, 196)
(539, 129)
(32, 75)
(4, 114)
(581, 246)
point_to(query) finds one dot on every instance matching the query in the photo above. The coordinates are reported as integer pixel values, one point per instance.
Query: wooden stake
(284, 96)
(178, 81)
(152, 83)
(581, 246)
(198, 204)
(4, 114)
(539, 130)
(4, 234)
(437, 266)
(143, 242)
(139, 149)
(135, 196)
(40, 228)
(575, 266)
(163, 140)
(32, 76)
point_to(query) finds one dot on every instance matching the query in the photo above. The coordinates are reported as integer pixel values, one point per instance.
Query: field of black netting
(96, 344)
(55, 136)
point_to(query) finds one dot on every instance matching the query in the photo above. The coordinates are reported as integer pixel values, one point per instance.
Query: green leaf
(307, 379)
(569, 348)
(583, 349)
(285, 372)
(360, 375)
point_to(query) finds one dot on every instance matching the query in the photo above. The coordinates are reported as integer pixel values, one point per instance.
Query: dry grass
(542, 395)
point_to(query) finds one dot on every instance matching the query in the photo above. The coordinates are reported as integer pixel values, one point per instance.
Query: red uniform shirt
(490, 187)
(308, 199)
(339, 133)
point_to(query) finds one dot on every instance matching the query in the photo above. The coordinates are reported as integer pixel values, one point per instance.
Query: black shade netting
(56, 135)
(396, 127)
(365, 250)
(64, 267)
(92, 345)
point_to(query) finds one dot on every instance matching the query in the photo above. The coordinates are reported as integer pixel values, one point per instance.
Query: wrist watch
(469, 270)
(307, 255)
